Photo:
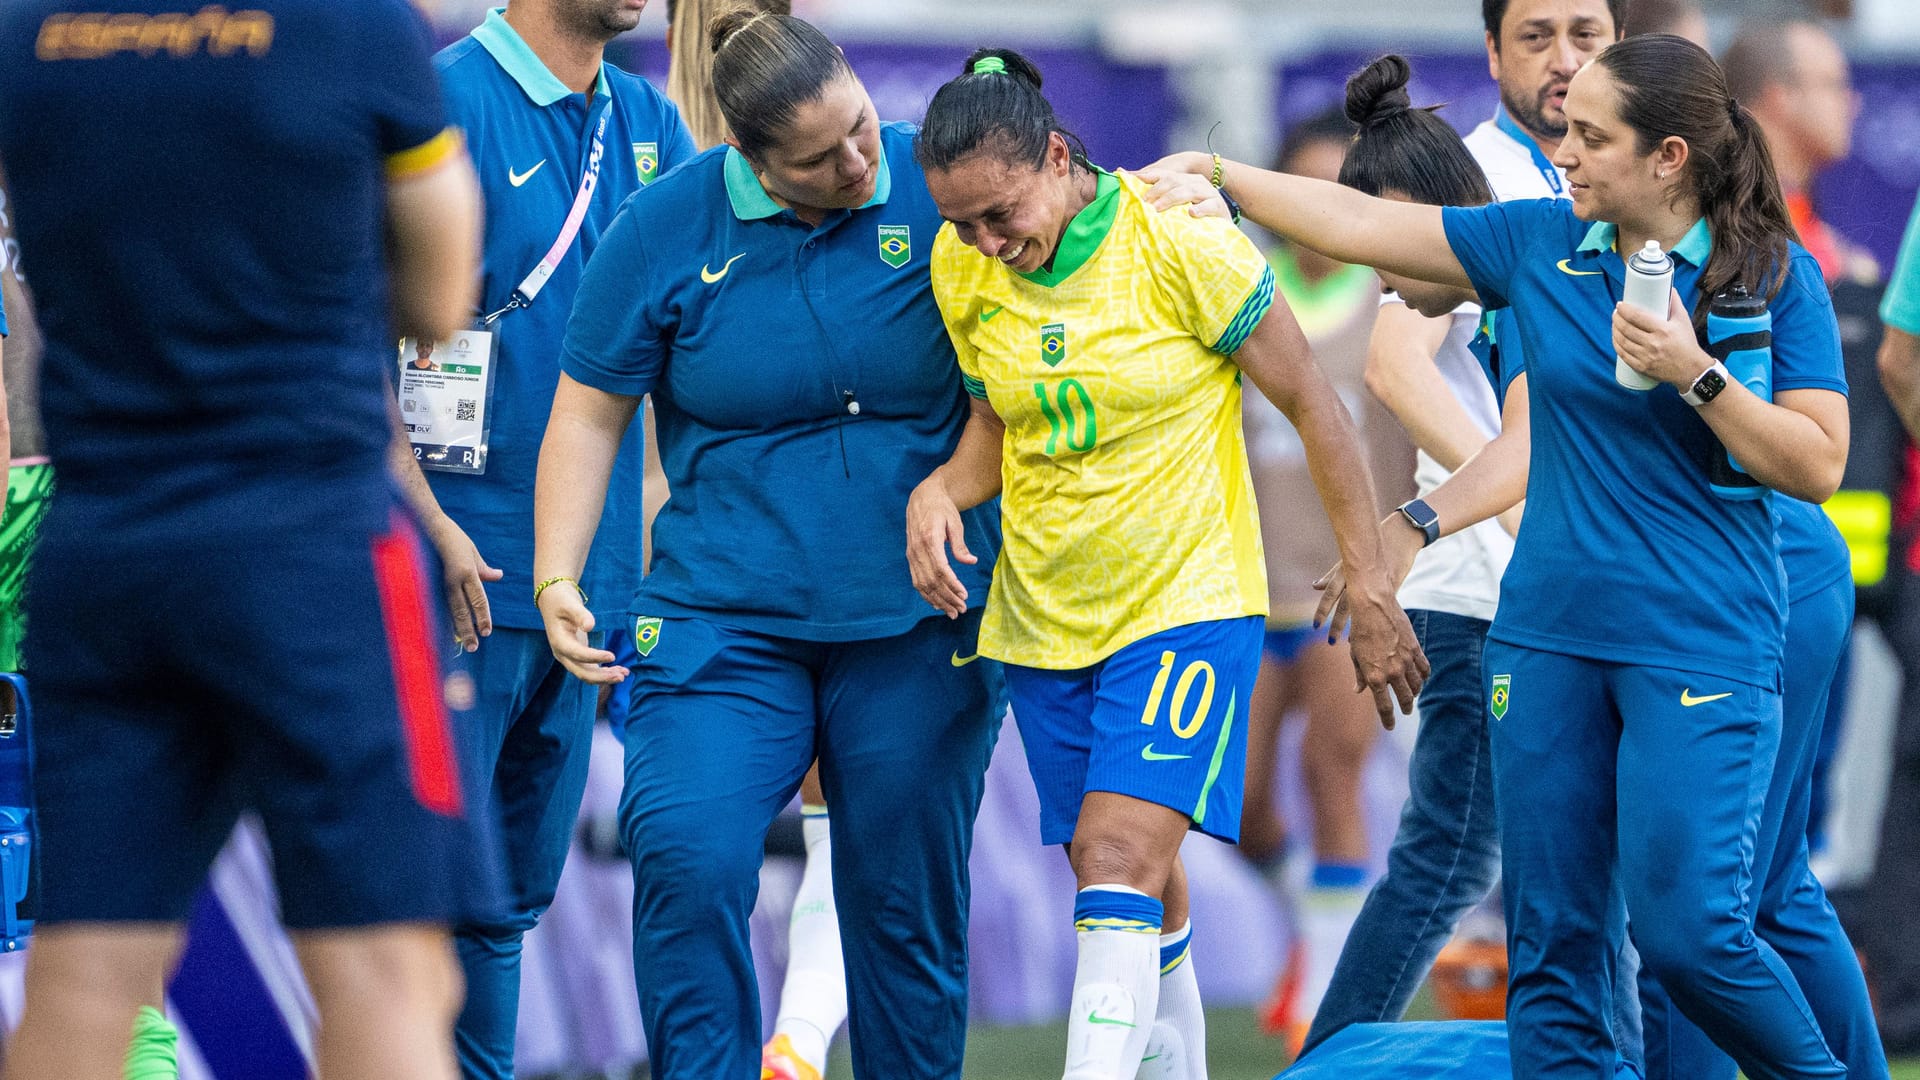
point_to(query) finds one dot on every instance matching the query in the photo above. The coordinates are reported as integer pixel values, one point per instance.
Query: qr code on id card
(466, 410)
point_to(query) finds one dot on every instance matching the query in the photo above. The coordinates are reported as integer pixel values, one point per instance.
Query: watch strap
(1422, 517)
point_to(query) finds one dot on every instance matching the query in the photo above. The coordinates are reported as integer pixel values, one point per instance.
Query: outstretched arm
(1405, 238)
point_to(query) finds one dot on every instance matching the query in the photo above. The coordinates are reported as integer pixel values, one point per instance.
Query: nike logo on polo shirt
(1147, 754)
(710, 277)
(963, 661)
(1687, 699)
(1565, 269)
(516, 179)
(1096, 1018)
(987, 316)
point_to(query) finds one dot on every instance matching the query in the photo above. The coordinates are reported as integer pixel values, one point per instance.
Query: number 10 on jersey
(1069, 410)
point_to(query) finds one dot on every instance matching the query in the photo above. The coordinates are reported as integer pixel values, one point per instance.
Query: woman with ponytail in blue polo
(1635, 664)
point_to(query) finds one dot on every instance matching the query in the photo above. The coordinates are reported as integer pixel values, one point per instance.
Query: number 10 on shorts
(1185, 725)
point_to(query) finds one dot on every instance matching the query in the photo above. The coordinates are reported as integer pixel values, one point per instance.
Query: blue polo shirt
(530, 138)
(203, 223)
(751, 328)
(1627, 555)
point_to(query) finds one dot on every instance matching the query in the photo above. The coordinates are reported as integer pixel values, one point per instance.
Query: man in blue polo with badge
(559, 139)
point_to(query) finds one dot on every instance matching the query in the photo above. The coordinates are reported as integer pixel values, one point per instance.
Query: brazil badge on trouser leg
(646, 634)
(1502, 692)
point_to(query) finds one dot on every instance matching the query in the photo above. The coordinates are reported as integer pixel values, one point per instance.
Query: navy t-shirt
(1627, 555)
(752, 330)
(200, 197)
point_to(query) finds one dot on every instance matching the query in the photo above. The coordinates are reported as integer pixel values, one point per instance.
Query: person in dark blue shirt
(229, 215)
(1636, 662)
(560, 139)
(773, 297)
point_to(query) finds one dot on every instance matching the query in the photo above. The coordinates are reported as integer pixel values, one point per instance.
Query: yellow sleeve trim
(426, 157)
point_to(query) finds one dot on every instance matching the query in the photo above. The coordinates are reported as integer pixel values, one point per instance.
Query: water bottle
(1739, 335)
(1649, 281)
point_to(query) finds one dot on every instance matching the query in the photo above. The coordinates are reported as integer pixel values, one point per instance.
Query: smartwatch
(1422, 517)
(1708, 385)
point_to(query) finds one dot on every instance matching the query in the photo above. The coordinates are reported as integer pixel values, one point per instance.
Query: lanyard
(1505, 122)
(530, 287)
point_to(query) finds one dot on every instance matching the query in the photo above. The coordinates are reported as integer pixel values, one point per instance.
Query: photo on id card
(446, 396)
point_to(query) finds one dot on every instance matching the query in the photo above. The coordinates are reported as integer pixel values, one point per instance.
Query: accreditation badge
(446, 399)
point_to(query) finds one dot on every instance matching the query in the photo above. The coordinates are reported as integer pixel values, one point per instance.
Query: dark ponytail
(1670, 87)
(996, 109)
(1401, 148)
(764, 68)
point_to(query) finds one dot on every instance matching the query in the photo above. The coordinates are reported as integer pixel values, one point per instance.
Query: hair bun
(1013, 63)
(1379, 91)
(722, 27)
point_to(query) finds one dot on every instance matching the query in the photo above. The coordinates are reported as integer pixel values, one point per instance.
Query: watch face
(1709, 385)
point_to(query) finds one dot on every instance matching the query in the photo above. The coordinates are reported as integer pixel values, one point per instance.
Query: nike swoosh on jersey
(987, 316)
(1147, 753)
(963, 661)
(1565, 269)
(516, 179)
(1687, 699)
(1096, 1018)
(710, 277)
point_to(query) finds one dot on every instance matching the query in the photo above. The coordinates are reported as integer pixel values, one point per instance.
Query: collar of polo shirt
(500, 39)
(1693, 247)
(751, 202)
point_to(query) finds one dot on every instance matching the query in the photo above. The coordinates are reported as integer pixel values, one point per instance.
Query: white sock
(1116, 986)
(813, 999)
(1177, 1046)
(1327, 917)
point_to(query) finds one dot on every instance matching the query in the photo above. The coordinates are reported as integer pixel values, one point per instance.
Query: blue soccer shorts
(1163, 720)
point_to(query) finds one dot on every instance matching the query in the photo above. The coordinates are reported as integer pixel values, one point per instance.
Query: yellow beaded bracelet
(542, 587)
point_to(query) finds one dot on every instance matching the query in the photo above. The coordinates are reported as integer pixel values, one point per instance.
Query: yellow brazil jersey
(1126, 504)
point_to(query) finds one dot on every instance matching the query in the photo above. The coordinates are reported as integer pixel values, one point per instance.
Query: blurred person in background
(779, 623)
(218, 405)
(1681, 18)
(1892, 894)
(1299, 671)
(813, 994)
(560, 138)
(1445, 856)
(1796, 80)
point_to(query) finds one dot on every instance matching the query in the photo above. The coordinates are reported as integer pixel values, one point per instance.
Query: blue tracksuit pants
(1793, 915)
(525, 746)
(723, 726)
(1613, 779)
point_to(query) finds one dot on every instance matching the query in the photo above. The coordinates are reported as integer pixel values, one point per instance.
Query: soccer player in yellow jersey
(1104, 346)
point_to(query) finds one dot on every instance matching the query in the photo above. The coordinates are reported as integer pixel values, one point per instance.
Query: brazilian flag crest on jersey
(646, 158)
(646, 634)
(1053, 343)
(896, 245)
(1502, 690)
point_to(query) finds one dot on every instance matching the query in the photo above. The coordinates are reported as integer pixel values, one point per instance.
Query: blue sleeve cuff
(1252, 310)
(586, 373)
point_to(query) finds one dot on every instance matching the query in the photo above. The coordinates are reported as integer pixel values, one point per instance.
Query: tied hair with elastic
(1405, 148)
(995, 106)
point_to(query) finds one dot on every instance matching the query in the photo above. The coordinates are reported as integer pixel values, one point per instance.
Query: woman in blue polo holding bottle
(1635, 663)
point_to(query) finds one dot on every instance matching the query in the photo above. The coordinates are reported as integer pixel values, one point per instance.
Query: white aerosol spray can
(1649, 283)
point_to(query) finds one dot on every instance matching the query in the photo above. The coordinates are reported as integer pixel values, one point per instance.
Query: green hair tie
(990, 65)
